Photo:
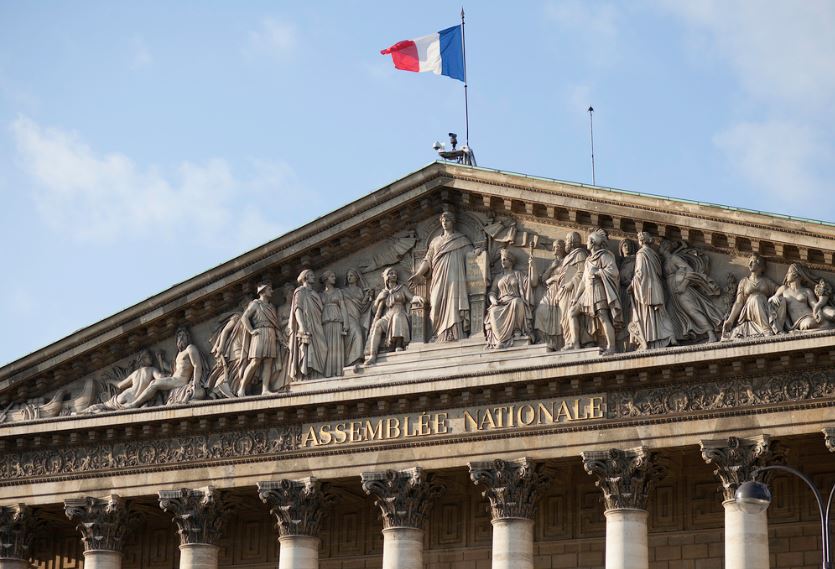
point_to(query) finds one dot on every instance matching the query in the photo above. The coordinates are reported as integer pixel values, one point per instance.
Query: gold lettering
(310, 435)
(499, 416)
(339, 434)
(441, 427)
(371, 433)
(392, 428)
(354, 432)
(596, 407)
(485, 419)
(325, 434)
(564, 410)
(526, 415)
(577, 409)
(510, 415)
(541, 412)
(470, 422)
(423, 425)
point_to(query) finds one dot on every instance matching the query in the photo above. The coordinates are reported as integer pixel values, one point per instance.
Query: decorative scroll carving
(149, 453)
(626, 477)
(829, 438)
(736, 393)
(404, 497)
(200, 514)
(297, 505)
(17, 531)
(736, 459)
(102, 522)
(513, 487)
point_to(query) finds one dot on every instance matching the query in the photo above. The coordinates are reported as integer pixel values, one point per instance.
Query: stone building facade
(464, 369)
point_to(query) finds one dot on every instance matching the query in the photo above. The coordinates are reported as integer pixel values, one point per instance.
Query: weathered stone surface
(404, 497)
(17, 531)
(512, 487)
(200, 514)
(626, 477)
(736, 459)
(296, 505)
(102, 522)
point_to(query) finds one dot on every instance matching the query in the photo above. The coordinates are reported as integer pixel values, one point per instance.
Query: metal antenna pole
(591, 131)
(466, 102)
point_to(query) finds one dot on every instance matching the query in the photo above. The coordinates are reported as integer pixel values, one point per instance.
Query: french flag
(441, 53)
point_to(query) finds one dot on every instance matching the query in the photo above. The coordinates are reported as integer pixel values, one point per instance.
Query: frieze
(735, 393)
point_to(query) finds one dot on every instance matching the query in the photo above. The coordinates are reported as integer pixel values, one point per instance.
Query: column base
(199, 556)
(627, 543)
(746, 538)
(512, 543)
(402, 548)
(298, 552)
(102, 559)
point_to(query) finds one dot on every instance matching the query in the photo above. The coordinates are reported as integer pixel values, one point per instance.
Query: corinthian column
(200, 515)
(102, 523)
(829, 438)
(404, 498)
(17, 530)
(513, 488)
(297, 506)
(626, 478)
(746, 535)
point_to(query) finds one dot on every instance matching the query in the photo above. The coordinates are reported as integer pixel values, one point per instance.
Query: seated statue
(391, 319)
(750, 314)
(132, 386)
(794, 304)
(509, 315)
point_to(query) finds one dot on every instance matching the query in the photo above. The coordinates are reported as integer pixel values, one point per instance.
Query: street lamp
(753, 497)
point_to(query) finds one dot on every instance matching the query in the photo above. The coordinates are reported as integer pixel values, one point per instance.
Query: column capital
(626, 476)
(403, 496)
(17, 530)
(102, 522)
(199, 513)
(737, 458)
(296, 504)
(512, 486)
(829, 438)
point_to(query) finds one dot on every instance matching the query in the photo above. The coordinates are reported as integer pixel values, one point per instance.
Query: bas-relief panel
(463, 274)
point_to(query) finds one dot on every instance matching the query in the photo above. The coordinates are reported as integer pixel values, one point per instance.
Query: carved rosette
(513, 487)
(297, 505)
(403, 496)
(626, 477)
(736, 459)
(17, 530)
(200, 514)
(102, 522)
(829, 438)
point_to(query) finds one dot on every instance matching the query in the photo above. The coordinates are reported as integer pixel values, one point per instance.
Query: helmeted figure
(260, 322)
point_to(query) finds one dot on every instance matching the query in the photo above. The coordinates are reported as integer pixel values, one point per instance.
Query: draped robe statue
(308, 347)
(651, 326)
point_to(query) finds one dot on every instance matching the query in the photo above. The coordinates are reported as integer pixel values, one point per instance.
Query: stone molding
(297, 505)
(102, 522)
(513, 487)
(626, 476)
(829, 438)
(200, 514)
(17, 531)
(403, 496)
(736, 459)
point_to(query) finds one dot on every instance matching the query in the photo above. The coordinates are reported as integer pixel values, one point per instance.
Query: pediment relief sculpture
(467, 277)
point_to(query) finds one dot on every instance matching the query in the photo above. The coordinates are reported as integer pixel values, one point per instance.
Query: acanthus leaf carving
(626, 477)
(404, 497)
(736, 459)
(17, 531)
(102, 522)
(512, 487)
(829, 438)
(200, 514)
(297, 505)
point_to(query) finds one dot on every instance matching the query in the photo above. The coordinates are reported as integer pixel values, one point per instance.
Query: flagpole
(466, 101)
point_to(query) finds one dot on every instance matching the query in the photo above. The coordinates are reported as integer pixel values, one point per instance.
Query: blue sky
(143, 143)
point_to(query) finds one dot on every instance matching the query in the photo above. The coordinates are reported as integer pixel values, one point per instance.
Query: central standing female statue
(449, 303)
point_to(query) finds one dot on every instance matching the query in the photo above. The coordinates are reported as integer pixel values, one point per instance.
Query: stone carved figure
(358, 298)
(134, 385)
(650, 325)
(334, 324)
(449, 303)
(794, 305)
(308, 347)
(547, 316)
(391, 319)
(598, 296)
(283, 311)
(626, 267)
(823, 310)
(750, 315)
(227, 343)
(182, 384)
(570, 276)
(260, 321)
(509, 315)
(690, 293)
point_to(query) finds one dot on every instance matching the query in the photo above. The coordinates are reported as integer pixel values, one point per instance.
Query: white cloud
(273, 38)
(88, 196)
(140, 54)
(594, 25)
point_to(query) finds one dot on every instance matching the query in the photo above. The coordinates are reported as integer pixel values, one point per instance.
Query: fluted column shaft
(404, 498)
(200, 515)
(736, 459)
(513, 488)
(17, 530)
(297, 506)
(102, 523)
(626, 478)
